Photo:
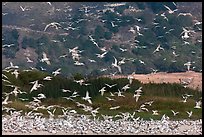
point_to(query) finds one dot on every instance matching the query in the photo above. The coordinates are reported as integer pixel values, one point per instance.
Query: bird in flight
(52, 24)
(169, 10)
(45, 59)
(87, 97)
(115, 64)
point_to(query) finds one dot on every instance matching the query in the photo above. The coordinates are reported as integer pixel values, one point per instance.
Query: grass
(166, 97)
(164, 105)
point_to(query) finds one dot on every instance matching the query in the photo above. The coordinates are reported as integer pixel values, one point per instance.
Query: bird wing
(167, 7)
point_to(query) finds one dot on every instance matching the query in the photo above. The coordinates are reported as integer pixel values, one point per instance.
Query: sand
(163, 77)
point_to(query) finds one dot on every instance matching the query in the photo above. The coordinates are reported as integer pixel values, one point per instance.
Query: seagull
(102, 55)
(16, 73)
(142, 62)
(123, 50)
(56, 72)
(155, 112)
(7, 45)
(174, 53)
(110, 86)
(87, 98)
(110, 99)
(77, 63)
(136, 96)
(49, 3)
(63, 56)
(5, 102)
(158, 48)
(12, 66)
(114, 108)
(115, 64)
(92, 61)
(188, 64)
(198, 104)
(139, 90)
(41, 96)
(66, 90)
(111, 94)
(189, 113)
(23, 8)
(169, 10)
(174, 113)
(185, 99)
(45, 59)
(184, 14)
(125, 87)
(113, 25)
(47, 78)
(28, 60)
(102, 91)
(154, 70)
(120, 94)
(35, 86)
(52, 24)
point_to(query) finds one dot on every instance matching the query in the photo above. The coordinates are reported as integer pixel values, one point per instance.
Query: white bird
(174, 113)
(66, 90)
(158, 48)
(63, 56)
(77, 63)
(51, 114)
(23, 8)
(110, 99)
(35, 86)
(16, 73)
(28, 60)
(49, 3)
(91, 60)
(56, 72)
(139, 90)
(102, 91)
(45, 59)
(113, 25)
(110, 86)
(198, 104)
(81, 81)
(125, 87)
(123, 50)
(120, 94)
(52, 24)
(5, 102)
(155, 112)
(114, 108)
(115, 64)
(189, 113)
(169, 10)
(188, 64)
(7, 45)
(47, 78)
(87, 97)
(111, 94)
(142, 62)
(184, 14)
(41, 96)
(12, 66)
(102, 55)
(136, 96)
(174, 53)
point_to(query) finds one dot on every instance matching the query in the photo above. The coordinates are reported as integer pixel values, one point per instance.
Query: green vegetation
(166, 97)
